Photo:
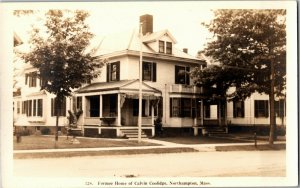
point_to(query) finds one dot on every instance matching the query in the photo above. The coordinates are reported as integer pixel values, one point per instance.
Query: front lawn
(48, 142)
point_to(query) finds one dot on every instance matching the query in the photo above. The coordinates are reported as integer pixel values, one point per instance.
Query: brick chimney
(147, 21)
(185, 50)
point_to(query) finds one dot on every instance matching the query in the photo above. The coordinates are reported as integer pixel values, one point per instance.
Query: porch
(113, 112)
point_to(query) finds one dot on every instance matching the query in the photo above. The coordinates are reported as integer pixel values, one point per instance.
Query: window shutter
(118, 70)
(154, 72)
(266, 108)
(143, 71)
(171, 108)
(243, 108)
(187, 76)
(107, 72)
(234, 109)
(256, 108)
(176, 74)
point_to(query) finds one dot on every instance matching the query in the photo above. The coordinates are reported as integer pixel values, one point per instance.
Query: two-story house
(167, 90)
(110, 102)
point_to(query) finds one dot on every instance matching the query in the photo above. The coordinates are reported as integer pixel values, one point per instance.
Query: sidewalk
(163, 144)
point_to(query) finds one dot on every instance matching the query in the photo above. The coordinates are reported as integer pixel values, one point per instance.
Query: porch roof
(130, 85)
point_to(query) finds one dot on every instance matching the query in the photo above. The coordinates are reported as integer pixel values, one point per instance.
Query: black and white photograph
(149, 94)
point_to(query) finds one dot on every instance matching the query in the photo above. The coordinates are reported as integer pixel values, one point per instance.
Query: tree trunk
(57, 111)
(272, 112)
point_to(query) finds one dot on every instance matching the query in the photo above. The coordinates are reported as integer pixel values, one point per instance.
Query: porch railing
(181, 88)
(147, 121)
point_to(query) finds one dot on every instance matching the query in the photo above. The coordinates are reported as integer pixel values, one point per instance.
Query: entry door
(94, 106)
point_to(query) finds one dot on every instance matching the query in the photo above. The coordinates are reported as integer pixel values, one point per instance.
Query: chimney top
(185, 50)
(147, 21)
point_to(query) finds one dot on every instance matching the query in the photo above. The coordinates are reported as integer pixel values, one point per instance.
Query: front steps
(215, 130)
(132, 133)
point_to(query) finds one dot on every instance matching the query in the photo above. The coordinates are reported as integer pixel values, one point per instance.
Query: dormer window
(169, 48)
(165, 47)
(161, 46)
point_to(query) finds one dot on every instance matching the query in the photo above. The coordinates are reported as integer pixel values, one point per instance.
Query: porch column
(152, 120)
(101, 106)
(195, 126)
(100, 113)
(83, 112)
(83, 109)
(119, 110)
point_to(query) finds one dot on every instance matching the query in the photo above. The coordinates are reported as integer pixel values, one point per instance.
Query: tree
(250, 47)
(58, 51)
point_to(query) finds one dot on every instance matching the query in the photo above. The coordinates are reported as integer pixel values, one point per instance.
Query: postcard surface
(149, 94)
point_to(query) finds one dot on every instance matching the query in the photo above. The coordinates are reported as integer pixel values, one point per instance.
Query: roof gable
(125, 85)
(158, 35)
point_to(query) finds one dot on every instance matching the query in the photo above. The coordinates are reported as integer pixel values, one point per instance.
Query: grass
(101, 153)
(48, 142)
(261, 147)
(199, 140)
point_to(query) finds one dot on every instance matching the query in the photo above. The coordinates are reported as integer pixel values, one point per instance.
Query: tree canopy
(244, 45)
(59, 52)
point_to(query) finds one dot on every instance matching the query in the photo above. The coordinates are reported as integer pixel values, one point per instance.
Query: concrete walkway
(163, 144)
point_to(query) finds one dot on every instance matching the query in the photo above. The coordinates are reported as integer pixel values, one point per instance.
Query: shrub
(25, 132)
(45, 131)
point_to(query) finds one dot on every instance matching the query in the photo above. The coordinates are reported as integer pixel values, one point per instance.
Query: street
(198, 164)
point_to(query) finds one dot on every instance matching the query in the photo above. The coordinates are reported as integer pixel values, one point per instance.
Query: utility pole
(140, 86)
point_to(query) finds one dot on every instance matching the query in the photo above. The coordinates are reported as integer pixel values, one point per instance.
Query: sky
(183, 20)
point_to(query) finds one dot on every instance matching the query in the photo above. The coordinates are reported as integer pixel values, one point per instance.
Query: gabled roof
(157, 35)
(130, 85)
(120, 43)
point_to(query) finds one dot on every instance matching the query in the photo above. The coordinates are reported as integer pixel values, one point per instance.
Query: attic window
(169, 48)
(161, 46)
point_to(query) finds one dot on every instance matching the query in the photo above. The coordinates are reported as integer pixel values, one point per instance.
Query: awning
(144, 96)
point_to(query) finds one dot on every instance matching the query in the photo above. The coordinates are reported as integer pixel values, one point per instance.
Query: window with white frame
(149, 71)
(261, 108)
(238, 109)
(113, 71)
(33, 107)
(182, 107)
(61, 110)
(182, 75)
(161, 46)
(31, 79)
(169, 47)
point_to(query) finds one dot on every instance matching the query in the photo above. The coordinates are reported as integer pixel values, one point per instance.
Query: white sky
(183, 20)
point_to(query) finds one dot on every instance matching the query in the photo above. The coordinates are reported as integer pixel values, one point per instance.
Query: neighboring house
(254, 113)
(109, 103)
(250, 115)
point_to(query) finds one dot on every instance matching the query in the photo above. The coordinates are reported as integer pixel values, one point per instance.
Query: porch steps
(133, 133)
(214, 130)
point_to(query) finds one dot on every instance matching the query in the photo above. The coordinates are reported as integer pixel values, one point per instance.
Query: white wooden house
(109, 103)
